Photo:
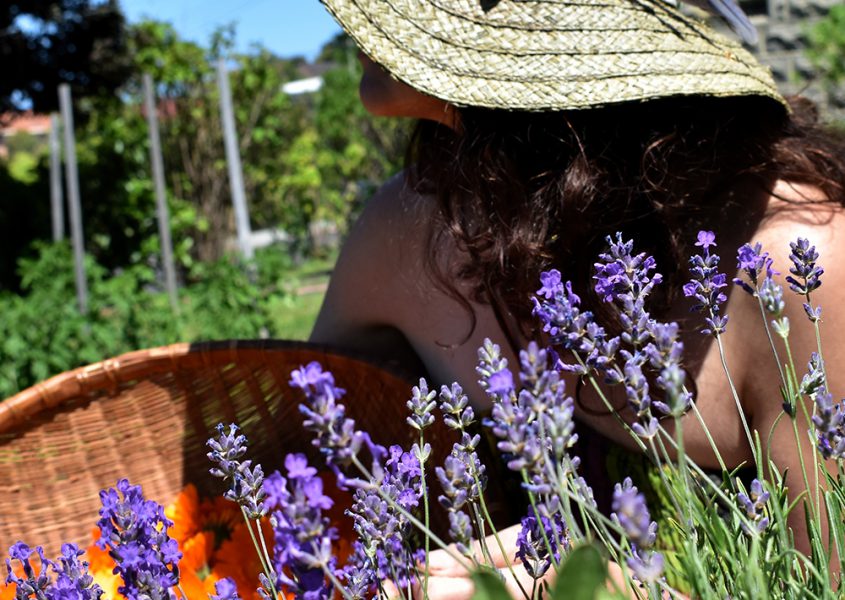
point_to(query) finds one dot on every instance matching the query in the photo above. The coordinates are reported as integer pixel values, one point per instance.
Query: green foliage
(581, 576)
(306, 159)
(826, 46)
(47, 42)
(42, 332)
(489, 586)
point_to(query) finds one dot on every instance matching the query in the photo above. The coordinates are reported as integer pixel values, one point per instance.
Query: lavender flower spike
(134, 531)
(421, 404)
(754, 262)
(72, 581)
(337, 437)
(245, 482)
(226, 590)
(631, 513)
(753, 505)
(706, 284)
(303, 538)
(804, 268)
(829, 422)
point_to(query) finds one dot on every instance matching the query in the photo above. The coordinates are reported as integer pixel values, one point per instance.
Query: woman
(544, 128)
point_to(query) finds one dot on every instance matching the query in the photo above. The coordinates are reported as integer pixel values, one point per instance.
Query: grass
(293, 317)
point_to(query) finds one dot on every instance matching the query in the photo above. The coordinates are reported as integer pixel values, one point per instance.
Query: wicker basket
(146, 416)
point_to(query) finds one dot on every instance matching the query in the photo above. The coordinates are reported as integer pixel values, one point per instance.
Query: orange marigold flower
(185, 513)
(238, 559)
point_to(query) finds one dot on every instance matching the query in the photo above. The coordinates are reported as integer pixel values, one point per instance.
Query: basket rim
(111, 373)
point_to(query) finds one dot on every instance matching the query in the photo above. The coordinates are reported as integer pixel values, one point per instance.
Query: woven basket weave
(146, 416)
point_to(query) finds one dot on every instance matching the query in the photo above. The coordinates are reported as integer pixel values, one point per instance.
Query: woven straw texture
(550, 54)
(146, 416)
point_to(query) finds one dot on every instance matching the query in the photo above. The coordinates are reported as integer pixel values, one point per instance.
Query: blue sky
(286, 27)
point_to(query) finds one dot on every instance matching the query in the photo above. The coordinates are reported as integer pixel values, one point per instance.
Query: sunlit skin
(384, 96)
(381, 302)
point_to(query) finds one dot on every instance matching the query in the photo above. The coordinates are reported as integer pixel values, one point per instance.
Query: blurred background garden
(310, 156)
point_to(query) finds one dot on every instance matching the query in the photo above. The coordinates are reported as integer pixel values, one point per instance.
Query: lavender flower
(562, 318)
(814, 379)
(706, 284)
(829, 422)
(754, 262)
(664, 353)
(384, 532)
(134, 531)
(620, 275)
(753, 506)
(421, 404)
(245, 482)
(771, 294)
(302, 536)
(357, 575)
(534, 427)
(454, 404)
(646, 566)
(536, 537)
(72, 581)
(804, 268)
(631, 513)
(225, 590)
(337, 438)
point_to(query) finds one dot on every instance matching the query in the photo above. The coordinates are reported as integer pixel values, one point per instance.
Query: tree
(47, 42)
(826, 48)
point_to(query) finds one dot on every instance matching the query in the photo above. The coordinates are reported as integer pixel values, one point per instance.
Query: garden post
(233, 160)
(160, 192)
(56, 200)
(72, 181)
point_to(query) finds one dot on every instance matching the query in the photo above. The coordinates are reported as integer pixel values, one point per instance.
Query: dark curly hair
(521, 192)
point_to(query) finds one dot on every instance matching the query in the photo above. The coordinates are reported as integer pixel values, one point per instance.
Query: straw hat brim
(553, 55)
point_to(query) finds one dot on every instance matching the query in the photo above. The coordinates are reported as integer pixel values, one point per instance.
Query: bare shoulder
(381, 255)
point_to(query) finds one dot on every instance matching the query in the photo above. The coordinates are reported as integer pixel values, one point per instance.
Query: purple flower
(20, 551)
(302, 536)
(753, 261)
(706, 284)
(500, 383)
(829, 422)
(753, 505)
(646, 565)
(226, 590)
(551, 285)
(336, 436)
(536, 537)
(771, 294)
(631, 512)
(804, 268)
(535, 427)
(297, 467)
(814, 380)
(624, 277)
(70, 580)
(134, 531)
(245, 482)
(561, 318)
(454, 404)
(705, 240)
(421, 404)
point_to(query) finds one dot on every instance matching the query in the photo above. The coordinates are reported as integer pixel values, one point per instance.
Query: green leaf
(489, 586)
(582, 575)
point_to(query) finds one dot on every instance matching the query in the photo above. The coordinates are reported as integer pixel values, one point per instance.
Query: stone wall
(783, 27)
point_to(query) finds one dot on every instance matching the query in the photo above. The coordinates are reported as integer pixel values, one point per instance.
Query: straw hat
(550, 55)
